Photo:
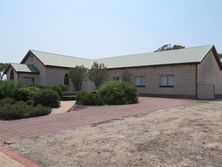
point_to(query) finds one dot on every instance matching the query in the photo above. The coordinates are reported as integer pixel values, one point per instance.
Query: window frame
(142, 85)
(116, 78)
(66, 79)
(167, 81)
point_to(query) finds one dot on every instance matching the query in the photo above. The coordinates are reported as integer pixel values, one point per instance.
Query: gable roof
(180, 56)
(52, 59)
(24, 68)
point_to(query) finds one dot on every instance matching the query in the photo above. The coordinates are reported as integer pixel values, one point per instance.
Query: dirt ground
(185, 136)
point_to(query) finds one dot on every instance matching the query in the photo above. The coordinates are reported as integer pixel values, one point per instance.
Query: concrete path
(32, 127)
(64, 107)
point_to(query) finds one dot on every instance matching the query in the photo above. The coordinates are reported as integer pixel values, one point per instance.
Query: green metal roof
(187, 55)
(27, 68)
(53, 59)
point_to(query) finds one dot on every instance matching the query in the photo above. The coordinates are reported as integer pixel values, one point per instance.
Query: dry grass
(188, 136)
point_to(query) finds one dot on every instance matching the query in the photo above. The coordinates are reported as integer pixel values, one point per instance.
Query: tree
(169, 47)
(98, 74)
(126, 76)
(220, 55)
(3, 66)
(77, 75)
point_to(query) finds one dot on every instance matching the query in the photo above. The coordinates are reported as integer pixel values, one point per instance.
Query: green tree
(126, 76)
(98, 74)
(77, 75)
(169, 47)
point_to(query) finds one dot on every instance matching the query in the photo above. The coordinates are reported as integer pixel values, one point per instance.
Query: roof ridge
(60, 54)
(156, 52)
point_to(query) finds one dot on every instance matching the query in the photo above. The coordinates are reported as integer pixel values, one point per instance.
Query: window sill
(140, 86)
(167, 86)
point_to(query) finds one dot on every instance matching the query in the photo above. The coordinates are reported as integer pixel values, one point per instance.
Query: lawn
(181, 136)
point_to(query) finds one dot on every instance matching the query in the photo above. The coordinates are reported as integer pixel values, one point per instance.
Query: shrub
(7, 88)
(89, 98)
(81, 96)
(24, 94)
(118, 92)
(47, 97)
(59, 88)
(21, 110)
(7, 100)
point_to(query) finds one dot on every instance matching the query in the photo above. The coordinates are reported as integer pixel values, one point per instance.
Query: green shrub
(118, 92)
(21, 110)
(8, 88)
(6, 101)
(81, 96)
(28, 93)
(89, 98)
(59, 88)
(47, 97)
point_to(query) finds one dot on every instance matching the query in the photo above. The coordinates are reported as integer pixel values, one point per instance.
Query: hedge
(89, 98)
(47, 97)
(21, 110)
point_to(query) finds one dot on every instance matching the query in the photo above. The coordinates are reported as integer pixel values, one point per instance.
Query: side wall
(209, 73)
(184, 83)
(56, 75)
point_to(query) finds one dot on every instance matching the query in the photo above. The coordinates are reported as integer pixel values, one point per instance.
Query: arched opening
(12, 75)
(66, 80)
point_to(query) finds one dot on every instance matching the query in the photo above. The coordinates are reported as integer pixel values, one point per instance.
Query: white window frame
(141, 82)
(169, 82)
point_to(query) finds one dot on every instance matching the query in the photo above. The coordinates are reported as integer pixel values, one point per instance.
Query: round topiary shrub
(47, 97)
(89, 98)
(118, 92)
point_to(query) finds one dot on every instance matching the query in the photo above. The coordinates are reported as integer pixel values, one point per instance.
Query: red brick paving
(32, 127)
(22, 160)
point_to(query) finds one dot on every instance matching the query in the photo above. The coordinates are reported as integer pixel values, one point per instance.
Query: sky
(104, 28)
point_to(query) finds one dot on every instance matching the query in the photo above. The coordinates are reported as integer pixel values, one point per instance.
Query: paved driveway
(32, 127)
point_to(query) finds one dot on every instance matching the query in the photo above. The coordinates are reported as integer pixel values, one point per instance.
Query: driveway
(33, 127)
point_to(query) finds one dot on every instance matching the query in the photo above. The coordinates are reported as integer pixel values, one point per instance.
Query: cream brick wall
(56, 75)
(185, 79)
(42, 69)
(210, 73)
(9, 72)
(26, 75)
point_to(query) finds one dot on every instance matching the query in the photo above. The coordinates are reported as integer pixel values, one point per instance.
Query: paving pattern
(33, 127)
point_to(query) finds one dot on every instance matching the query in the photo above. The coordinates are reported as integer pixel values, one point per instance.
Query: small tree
(126, 76)
(97, 74)
(77, 75)
(3, 66)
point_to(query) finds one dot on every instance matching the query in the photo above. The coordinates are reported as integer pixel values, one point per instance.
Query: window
(66, 80)
(139, 81)
(116, 78)
(12, 75)
(166, 80)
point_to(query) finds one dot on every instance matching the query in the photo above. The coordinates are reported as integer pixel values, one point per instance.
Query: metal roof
(187, 55)
(52, 59)
(27, 68)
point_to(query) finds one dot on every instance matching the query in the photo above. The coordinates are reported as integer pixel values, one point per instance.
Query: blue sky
(102, 28)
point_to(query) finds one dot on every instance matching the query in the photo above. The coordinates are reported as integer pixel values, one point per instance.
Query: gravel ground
(185, 136)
